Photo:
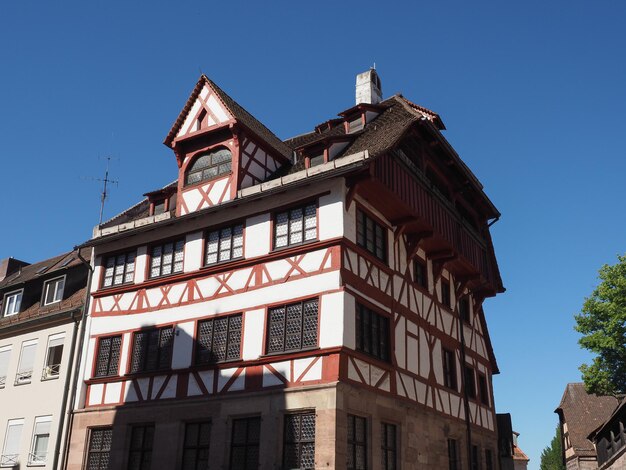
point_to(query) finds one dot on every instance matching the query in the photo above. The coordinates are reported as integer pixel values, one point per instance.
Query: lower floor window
(41, 435)
(244, 447)
(388, 446)
(357, 443)
(453, 455)
(196, 447)
(99, 448)
(299, 441)
(140, 455)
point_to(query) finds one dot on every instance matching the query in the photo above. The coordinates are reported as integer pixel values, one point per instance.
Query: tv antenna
(106, 181)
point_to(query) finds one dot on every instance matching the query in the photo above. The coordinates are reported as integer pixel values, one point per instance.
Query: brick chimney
(368, 88)
(9, 265)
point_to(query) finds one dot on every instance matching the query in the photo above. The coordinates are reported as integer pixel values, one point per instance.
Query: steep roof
(239, 113)
(41, 268)
(519, 455)
(583, 413)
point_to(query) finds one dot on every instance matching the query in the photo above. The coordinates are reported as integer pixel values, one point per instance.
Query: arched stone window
(208, 166)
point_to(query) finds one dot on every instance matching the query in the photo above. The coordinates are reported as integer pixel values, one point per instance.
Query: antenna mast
(104, 194)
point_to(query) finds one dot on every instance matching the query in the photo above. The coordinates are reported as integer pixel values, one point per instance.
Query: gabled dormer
(220, 148)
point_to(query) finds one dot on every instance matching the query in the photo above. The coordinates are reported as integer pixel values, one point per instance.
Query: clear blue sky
(532, 93)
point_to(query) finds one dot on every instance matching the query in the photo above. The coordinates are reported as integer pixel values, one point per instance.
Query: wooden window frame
(465, 309)
(246, 444)
(374, 327)
(298, 441)
(362, 218)
(449, 369)
(197, 447)
(231, 238)
(469, 379)
(231, 335)
(270, 311)
(5, 305)
(483, 389)
(100, 451)
(172, 263)
(46, 286)
(144, 449)
(446, 295)
(125, 271)
(355, 442)
(289, 221)
(421, 266)
(220, 173)
(108, 366)
(389, 451)
(454, 462)
(159, 350)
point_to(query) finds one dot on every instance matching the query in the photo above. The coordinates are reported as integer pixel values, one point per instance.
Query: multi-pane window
(209, 166)
(11, 449)
(483, 389)
(196, 446)
(244, 445)
(53, 356)
(140, 454)
(371, 235)
(357, 443)
(119, 269)
(53, 290)
(292, 327)
(295, 226)
(12, 303)
(372, 333)
(5, 355)
(152, 350)
(108, 356)
(464, 309)
(27, 362)
(475, 464)
(99, 448)
(167, 258)
(470, 381)
(453, 455)
(41, 435)
(224, 244)
(388, 446)
(299, 441)
(449, 369)
(488, 459)
(421, 273)
(445, 293)
(219, 339)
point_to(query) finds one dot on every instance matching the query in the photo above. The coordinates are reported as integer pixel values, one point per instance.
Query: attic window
(208, 166)
(355, 125)
(159, 206)
(316, 160)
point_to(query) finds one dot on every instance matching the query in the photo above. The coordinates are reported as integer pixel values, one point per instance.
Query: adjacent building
(41, 312)
(610, 440)
(580, 414)
(309, 303)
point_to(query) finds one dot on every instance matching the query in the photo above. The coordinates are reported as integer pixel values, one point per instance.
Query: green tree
(602, 322)
(552, 456)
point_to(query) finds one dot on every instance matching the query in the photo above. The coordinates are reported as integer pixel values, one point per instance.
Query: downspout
(69, 384)
(464, 385)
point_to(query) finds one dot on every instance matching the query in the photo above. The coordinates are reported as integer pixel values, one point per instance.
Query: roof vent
(368, 87)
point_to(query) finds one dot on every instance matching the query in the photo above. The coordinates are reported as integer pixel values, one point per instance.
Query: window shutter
(27, 361)
(12, 440)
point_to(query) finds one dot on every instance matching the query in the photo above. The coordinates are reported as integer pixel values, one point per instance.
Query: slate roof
(584, 413)
(42, 268)
(238, 112)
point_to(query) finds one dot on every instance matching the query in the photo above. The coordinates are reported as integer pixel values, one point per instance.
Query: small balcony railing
(24, 377)
(37, 458)
(9, 460)
(51, 372)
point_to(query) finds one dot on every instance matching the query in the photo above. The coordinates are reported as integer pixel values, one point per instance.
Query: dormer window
(208, 166)
(12, 303)
(316, 160)
(355, 124)
(53, 290)
(159, 207)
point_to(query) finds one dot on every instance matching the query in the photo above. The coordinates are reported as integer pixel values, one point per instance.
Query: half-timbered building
(308, 303)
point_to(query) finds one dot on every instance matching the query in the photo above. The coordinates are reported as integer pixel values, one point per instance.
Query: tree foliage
(552, 456)
(602, 322)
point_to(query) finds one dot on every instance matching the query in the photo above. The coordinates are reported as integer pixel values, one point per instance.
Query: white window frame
(21, 376)
(3, 374)
(52, 371)
(11, 460)
(33, 459)
(47, 284)
(5, 304)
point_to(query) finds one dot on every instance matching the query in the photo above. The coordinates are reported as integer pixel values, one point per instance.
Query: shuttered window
(292, 327)
(5, 355)
(27, 362)
(152, 350)
(219, 339)
(11, 450)
(108, 357)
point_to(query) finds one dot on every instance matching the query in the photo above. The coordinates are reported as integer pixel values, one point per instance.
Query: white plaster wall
(349, 321)
(37, 398)
(257, 236)
(193, 252)
(331, 224)
(254, 325)
(183, 345)
(331, 320)
(141, 264)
